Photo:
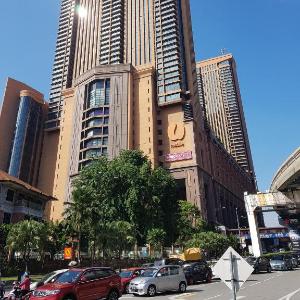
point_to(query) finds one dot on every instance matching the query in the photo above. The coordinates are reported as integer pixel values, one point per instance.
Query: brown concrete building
(221, 100)
(134, 86)
(125, 78)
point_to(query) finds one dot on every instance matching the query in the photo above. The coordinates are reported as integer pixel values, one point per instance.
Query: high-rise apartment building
(138, 32)
(221, 101)
(62, 73)
(124, 77)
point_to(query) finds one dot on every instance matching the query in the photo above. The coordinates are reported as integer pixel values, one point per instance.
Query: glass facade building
(26, 139)
(95, 132)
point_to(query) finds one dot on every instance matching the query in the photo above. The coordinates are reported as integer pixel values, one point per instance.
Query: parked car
(83, 284)
(169, 261)
(127, 276)
(294, 260)
(148, 265)
(159, 279)
(281, 262)
(197, 271)
(297, 256)
(50, 277)
(259, 264)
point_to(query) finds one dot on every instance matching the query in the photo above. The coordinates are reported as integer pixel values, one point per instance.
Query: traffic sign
(68, 253)
(233, 270)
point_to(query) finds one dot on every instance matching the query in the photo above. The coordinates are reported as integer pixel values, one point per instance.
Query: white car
(159, 279)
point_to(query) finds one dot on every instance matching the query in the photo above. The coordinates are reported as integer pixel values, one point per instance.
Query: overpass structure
(284, 198)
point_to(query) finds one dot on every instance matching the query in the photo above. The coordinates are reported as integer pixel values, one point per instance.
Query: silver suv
(159, 279)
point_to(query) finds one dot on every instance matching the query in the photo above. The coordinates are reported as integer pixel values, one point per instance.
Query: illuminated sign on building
(179, 156)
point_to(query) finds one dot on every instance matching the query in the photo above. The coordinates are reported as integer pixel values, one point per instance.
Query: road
(273, 286)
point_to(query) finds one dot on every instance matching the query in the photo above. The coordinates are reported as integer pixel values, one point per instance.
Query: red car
(127, 276)
(82, 284)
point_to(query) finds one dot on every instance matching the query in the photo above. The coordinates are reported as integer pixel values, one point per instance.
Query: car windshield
(251, 259)
(149, 273)
(68, 277)
(47, 276)
(187, 269)
(125, 274)
(277, 257)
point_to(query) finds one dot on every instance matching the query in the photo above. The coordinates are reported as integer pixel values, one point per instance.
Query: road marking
(289, 296)
(214, 297)
(260, 282)
(178, 297)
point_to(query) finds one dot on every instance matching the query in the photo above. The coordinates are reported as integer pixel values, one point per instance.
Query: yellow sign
(68, 253)
(176, 132)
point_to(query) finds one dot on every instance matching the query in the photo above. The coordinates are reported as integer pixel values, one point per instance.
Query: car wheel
(208, 278)
(269, 270)
(126, 290)
(182, 287)
(113, 295)
(151, 292)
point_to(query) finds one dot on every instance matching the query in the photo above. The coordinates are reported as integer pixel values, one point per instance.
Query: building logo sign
(179, 156)
(176, 133)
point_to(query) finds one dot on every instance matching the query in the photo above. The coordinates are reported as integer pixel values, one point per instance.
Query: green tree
(57, 237)
(124, 189)
(27, 237)
(189, 222)
(156, 238)
(123, 236)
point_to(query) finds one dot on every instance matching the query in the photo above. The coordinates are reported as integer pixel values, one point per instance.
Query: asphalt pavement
(263, 286)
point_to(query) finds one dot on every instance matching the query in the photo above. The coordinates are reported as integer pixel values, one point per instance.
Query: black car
(197, 271)
(168, 261)
(260, 264)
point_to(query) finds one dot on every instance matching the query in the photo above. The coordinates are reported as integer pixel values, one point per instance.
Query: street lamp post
(238, 223)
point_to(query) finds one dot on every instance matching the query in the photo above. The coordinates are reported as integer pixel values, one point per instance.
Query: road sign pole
(232, 276)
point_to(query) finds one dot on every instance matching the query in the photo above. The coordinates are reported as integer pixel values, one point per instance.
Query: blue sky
(263, 35)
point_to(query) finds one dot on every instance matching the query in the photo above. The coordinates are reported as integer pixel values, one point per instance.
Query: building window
(98, 93)
(160, 142)
(10, 195)
(159, 131)
(6, 218)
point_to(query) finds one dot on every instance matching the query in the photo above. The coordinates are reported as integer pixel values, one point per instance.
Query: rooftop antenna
(224, 51)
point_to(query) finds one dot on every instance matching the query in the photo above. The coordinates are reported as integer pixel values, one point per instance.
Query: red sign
(68, 253)
(179, 156)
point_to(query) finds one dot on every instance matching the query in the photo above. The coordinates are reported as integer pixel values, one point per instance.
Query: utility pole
(238, 223)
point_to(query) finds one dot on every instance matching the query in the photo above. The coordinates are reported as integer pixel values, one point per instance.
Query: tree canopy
(125, 189)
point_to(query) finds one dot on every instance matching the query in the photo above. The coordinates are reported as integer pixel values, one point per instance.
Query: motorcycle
(16, 293)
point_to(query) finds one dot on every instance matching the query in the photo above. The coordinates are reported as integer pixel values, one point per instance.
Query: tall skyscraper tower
(125, 77)
(62, 72)
(221, 100)
(102, 32)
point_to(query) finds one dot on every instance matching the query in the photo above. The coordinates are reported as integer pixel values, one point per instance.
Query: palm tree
(122, 236)
(25, 237)
(156, 238)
